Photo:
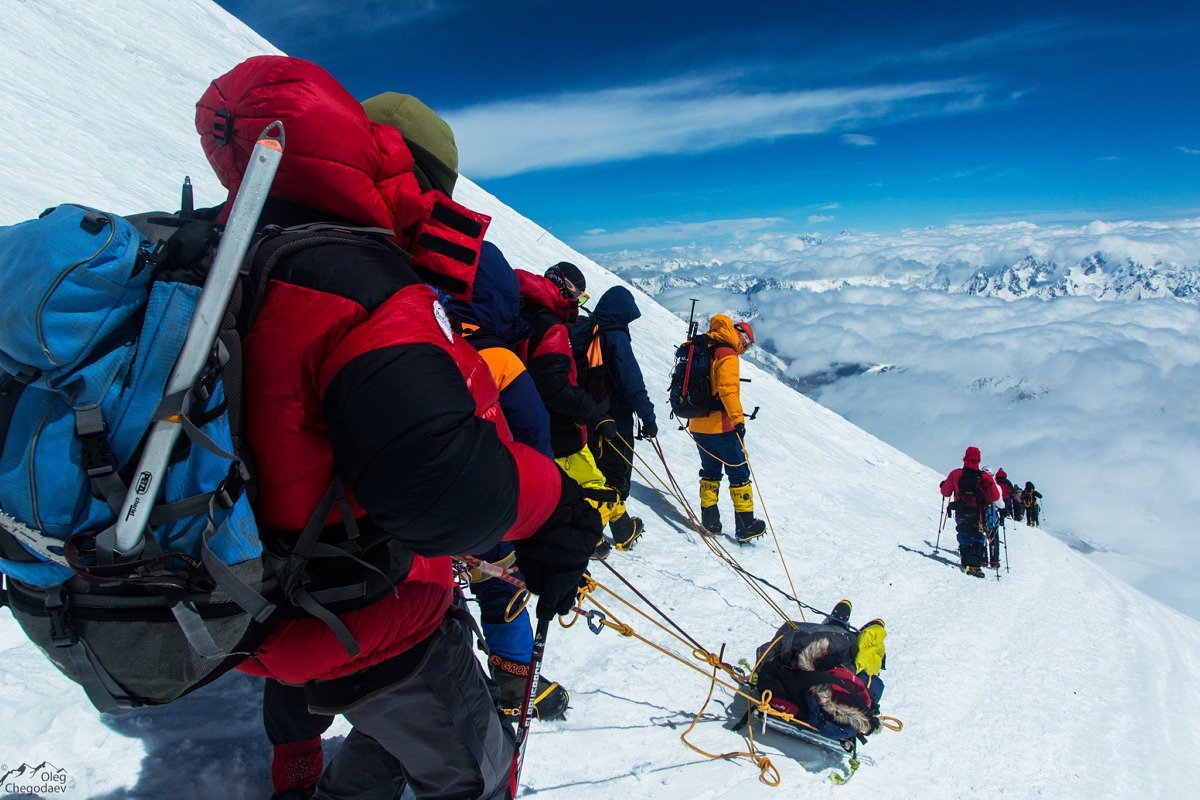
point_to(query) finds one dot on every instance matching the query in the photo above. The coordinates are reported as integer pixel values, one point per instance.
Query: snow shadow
(933, 554)
(658, 505)
(205, 746)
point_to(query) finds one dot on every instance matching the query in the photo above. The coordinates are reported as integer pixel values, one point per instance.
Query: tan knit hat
(428, 137)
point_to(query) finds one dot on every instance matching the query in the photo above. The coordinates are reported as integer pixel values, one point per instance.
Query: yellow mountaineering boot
(746, 527)
(710, 515)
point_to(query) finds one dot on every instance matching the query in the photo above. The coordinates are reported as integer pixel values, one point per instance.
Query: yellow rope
(767, 772)
(693, 521)
(767, 514)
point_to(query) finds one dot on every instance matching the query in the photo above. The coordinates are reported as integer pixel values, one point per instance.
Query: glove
(554, 560)
(649, 428)
(740, 430)
(607, 429)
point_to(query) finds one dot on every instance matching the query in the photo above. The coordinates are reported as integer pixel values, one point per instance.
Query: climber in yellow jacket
(719, 435)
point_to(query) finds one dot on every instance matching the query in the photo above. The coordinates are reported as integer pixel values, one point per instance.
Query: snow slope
(1057, 681)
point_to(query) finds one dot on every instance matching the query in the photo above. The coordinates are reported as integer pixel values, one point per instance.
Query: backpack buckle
(230, 490)
(58, 606)
(90, 430)
(222, 127)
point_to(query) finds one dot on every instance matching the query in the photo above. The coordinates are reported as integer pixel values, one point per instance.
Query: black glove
(649, 428)
(607, 429)
(740, 430)
(555, 559)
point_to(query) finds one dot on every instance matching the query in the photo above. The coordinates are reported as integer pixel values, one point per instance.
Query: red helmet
(745, 333)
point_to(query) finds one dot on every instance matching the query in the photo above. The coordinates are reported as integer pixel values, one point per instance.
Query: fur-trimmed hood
(825, 648)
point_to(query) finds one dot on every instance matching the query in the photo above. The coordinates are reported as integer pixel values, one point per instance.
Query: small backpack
(588, 352)
(692, 393)
(95, 312)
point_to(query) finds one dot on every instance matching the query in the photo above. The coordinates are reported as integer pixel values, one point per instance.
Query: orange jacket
(726, 378)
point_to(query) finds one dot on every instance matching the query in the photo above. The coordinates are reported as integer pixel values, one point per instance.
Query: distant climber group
(974, 494)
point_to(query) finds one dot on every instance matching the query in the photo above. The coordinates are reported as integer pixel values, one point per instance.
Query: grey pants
(438, 732)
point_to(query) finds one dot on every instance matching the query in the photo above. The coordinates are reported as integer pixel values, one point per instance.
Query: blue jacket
(614, 311)
(492, 322)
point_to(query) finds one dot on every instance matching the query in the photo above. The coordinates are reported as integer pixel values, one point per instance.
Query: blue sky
(634, 124)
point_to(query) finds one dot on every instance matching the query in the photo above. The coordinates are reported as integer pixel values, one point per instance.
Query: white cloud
(1109, 158)
(960, 248)
(678, 115)
(1191, 151)
(676, 232)
(859, 140)
(814, 219)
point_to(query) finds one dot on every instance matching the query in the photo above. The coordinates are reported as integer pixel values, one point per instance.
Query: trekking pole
(535, 672)
(1007, 569)
(941, 525)
(692, 318)
(134, 515)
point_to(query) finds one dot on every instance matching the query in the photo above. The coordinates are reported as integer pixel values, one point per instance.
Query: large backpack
(692, 393)
(95, 312)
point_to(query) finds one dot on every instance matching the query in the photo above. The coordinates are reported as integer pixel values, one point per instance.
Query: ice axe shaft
(134, 515)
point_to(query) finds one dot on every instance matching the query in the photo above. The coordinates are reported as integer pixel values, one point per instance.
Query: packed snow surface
(1056, 681)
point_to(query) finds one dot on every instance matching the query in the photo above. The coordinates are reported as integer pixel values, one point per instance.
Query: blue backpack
(94, 310)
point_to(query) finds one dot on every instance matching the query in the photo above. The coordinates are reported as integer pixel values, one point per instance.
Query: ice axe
(523, 725)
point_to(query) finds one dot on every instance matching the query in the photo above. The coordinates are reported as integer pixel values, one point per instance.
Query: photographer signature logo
(44, 779)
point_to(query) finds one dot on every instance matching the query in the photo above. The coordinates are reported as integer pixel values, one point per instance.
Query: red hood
(971, 458)
(1000, 473)
(335, 159)
(541, 291)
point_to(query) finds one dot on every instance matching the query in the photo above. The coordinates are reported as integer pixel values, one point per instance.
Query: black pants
(615, 458)
(439, 732)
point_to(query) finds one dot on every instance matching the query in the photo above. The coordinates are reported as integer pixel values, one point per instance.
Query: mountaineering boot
(626, 531)
(840, 613)
(746, 527)
(603, 548)
(710, 515)
(549, 701)
(974, 572)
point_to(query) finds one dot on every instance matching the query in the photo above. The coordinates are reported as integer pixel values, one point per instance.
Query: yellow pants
(581, 466)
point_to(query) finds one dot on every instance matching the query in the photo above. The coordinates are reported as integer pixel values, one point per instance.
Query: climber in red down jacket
(972, 489)
(359, 395)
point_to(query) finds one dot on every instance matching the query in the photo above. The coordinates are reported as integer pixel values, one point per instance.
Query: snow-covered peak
(1056, 681)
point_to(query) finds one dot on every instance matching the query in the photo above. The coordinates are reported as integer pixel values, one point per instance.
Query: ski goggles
(569, 290)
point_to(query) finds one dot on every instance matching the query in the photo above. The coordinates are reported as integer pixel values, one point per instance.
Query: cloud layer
(960, 248)
(680, 115)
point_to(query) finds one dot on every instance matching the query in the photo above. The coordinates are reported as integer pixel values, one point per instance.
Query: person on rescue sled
(719, 436)
(354, 378)
(972, 490)
(549, 304)
(826, 676)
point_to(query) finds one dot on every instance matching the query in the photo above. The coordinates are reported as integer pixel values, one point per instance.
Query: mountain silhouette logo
(45, 777)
